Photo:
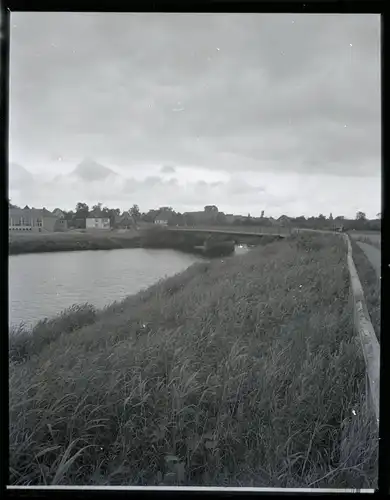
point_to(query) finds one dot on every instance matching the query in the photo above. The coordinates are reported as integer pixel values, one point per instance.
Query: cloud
(212, 94)
(19, 177)
(275, 193)
(89, 170)
(168, 169)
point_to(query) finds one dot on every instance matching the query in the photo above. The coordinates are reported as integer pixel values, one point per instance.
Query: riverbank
(157, 238)
(243, 371)
(72, 241)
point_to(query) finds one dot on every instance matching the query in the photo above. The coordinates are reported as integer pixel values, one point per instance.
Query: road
(373, 255)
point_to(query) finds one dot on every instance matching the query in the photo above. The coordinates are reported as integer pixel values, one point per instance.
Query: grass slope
(240, 372)
(70, 241)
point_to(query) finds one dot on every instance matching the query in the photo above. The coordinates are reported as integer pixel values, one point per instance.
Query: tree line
(76, 218)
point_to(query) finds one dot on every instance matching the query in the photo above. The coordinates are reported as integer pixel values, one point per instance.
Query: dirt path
(373, 255)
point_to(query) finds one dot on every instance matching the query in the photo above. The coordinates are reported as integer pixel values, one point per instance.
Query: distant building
(163, 218)
(97, 223)
(284, 220)
(61, 224)
(210, 215)
(195, 217)
(58, 213)
(272, 221)
(229, 218)
(337, 226)
(240, 218)
(31, 219)
(124, 221)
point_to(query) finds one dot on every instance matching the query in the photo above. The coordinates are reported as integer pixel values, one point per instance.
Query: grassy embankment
(370, 283)
(72, 240)
(217, 245)
(242, 371)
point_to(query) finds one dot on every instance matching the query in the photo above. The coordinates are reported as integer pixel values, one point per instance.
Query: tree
(111, 213)
(68, 215)
(10, 205)
(97, 209)
(221, 218)
(151, 215)
(82, 212)
(189, 220)
(82, 207)
(361, 216)
(134, 211)
(211, 208)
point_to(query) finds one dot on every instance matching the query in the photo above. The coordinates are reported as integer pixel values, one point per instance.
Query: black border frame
(254, 6)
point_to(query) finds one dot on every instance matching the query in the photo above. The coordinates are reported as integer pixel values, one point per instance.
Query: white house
(97, 223)
(161, 222)
(163, 218)
(58, 213)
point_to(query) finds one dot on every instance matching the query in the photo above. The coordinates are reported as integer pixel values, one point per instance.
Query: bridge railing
(241, 229)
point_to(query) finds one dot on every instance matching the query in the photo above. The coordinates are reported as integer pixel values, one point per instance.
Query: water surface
(43, 284)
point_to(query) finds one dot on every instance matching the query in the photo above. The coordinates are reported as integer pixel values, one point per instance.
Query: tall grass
(243, 371)
(25, 342)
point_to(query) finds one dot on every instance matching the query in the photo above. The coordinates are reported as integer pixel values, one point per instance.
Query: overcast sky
(250, 112)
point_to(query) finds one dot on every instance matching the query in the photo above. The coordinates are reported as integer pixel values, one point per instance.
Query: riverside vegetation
(159, 238)
(243, 371)
(71, 241)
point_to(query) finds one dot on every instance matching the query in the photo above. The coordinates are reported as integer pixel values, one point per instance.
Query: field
(239, 372)
(72, 240)
(372, 238)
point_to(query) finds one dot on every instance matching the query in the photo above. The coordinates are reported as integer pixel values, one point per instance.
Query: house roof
(30, 212)
(95, 214)
(47, 213)
(164, 216)
(126, 216)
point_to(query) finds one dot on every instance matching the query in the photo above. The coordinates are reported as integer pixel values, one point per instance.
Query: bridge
(280, 232)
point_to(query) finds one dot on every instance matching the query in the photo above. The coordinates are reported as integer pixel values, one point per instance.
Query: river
(43, 284)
